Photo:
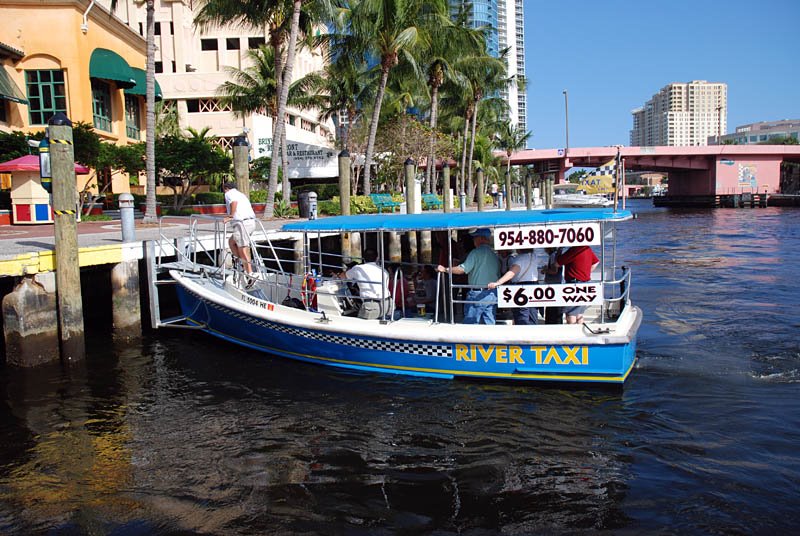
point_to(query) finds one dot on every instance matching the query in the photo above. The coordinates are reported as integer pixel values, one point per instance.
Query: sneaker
(249, 281)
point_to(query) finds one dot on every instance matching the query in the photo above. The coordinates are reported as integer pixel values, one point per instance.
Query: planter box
(97, 210)
(143, 208)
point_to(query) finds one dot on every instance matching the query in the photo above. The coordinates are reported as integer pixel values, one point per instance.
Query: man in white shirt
(240, 211)
(524, 269)
(373, 285)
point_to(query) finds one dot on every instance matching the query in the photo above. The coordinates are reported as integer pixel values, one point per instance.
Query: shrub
(96, 217)
(329, 208)
(181, 212)
(259, 196)
(210, 198)
(359, 204)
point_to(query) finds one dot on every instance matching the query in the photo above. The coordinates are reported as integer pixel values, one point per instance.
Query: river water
(184, 434)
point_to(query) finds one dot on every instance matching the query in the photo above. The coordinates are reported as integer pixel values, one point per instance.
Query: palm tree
(256, 14)
(448, 44)
(390, 29)
(344, 85)
(150, 216)
(511, 138)
(252, 89)
(486, 76)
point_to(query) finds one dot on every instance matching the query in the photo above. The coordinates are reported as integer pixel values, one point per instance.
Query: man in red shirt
(578, 263)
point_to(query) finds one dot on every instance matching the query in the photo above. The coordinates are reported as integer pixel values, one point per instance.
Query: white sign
(304, 160)
(533, 295)
(546, 236)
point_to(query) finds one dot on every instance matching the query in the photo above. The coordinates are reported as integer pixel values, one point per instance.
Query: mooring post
(344, 200)
(411, 208)
(480, 193)
(68, 271)
(447, 192)
(528, 190)
(241, 167)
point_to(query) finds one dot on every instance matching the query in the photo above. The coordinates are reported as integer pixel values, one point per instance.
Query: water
(187, 435)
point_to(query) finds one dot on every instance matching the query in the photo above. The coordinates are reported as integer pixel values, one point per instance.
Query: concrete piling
(126, 305)
(30, 322)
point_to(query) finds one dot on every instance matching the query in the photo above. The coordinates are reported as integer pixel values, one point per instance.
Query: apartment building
(682, 114)
(763, 132)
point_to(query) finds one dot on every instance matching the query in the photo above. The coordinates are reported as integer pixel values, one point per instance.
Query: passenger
(373, 286)
(240, 211)
(482, 267)
(578, 263)
(524, 269)
(494, 191)
(553, 276)
(427, 295)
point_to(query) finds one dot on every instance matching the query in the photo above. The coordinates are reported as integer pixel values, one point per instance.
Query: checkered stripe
(602, 170)
(433, 350)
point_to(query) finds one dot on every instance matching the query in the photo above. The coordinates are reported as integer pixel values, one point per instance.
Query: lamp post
(566, 120)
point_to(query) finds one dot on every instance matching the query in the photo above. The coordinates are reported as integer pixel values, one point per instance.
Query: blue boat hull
(603, 363)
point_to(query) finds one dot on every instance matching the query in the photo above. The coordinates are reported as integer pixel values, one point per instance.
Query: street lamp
(566, 119)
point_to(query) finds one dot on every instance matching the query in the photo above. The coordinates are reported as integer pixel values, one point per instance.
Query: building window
(255, 42)
(3, 112)
(174, 67)
(159, 67)
(157, 29)
(141, 29)
(101, 105)
(232, 43)
(171, 28)
(208, 44)
(46, 95)
(132, 115)
(194, 106)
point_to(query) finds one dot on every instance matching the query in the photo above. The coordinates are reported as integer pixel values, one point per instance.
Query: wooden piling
(126, 306)
(68, 274)
(241, 165)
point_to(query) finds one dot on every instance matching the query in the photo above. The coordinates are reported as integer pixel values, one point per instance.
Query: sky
(613, 55)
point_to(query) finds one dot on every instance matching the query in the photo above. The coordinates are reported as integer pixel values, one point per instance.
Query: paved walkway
(29, 249)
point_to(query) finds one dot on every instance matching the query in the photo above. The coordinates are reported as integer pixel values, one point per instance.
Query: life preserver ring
(309, 287)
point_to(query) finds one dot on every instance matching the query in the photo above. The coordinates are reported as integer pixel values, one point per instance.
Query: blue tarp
(454, 220)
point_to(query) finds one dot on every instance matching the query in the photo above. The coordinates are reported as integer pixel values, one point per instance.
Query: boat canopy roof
(455, 220)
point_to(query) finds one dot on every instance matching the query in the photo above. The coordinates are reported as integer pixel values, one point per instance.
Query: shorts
(242, 239)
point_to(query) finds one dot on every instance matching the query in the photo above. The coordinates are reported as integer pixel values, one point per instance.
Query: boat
(568, 196)
(295, 306)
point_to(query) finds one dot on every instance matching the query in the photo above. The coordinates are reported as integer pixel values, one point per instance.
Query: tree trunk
(471, 192)
(463, 168)
(269, 210)
(430, 169)
(150, 215)
(373, 129)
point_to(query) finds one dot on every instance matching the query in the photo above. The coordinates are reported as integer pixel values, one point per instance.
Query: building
(191, 64)
(505, 20)
(682, 115)
(763, 132)
(69, 56)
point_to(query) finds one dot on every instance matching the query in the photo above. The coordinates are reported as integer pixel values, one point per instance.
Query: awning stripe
(9, 89)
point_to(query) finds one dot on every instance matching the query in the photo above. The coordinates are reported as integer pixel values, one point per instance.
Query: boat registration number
(532, 295)
(558, 235)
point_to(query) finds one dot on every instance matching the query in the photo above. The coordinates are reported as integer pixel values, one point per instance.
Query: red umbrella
(30, 162)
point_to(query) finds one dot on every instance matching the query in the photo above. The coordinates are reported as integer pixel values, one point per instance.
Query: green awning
(140, 88)
(9, 89)
(108, 65)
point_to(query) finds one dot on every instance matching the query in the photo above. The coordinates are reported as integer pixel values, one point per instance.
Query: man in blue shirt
(482, 266)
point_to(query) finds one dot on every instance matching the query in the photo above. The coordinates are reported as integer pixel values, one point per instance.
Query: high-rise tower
(505, 20)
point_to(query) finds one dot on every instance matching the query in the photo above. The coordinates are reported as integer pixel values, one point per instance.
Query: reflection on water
(186, 434)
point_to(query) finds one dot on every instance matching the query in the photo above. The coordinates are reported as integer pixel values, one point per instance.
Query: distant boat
(568, 196)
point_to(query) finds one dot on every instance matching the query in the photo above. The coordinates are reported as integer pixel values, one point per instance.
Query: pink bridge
(712, 170)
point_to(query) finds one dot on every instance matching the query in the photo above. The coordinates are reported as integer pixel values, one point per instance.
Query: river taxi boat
(297, 306)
